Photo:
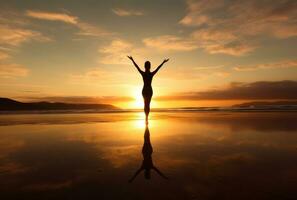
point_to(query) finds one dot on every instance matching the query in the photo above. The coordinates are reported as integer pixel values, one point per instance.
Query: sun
(138, 101)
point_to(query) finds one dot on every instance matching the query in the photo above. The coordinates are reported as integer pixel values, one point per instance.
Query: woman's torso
(147, 83)
(147, 79)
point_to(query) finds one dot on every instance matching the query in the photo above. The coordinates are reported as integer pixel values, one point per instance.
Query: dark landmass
(267, 104)
(7, 104)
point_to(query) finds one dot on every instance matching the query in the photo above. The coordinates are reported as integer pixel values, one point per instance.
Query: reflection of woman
(147, 76)
(147, 163)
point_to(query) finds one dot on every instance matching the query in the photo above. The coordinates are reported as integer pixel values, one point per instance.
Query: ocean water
(199, 155)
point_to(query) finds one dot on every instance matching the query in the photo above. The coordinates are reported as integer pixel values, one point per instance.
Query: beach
(205, 155)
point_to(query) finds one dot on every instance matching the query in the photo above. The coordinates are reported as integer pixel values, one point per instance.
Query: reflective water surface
(179, 156)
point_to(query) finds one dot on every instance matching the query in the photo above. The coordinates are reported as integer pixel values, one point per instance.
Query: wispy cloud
(124, 12)
(209, 67)
(91, 75)
(195, 73)
(232, 27)
(14, 36)
(98, 76)
(52, 16)
(3, 56)
(15, 31)
(245, 18)
(222, 41)
(174, 43)
(170, 42)
(12, 70)
(116, 52)
(85, 29)
(235, 48)
(198, 12)
(275, 65)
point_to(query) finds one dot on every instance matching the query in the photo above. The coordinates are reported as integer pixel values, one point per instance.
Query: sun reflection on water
(139, 121)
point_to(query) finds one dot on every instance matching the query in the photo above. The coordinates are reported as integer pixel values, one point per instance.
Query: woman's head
(147, 66)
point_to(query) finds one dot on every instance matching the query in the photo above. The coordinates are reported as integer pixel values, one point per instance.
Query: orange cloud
(124, 13)
(14, 36)
(52, 16)
(86, 29)
(90, 76)
(170, 42)
(3, 55)
(276, 65)
(12, 70)
(116, 52)
(229, 27)
(246, 18)
(233, 48)
(197, 12)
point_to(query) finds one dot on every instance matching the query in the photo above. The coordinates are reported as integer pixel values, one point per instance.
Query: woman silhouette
(147, 90)
(147, 163)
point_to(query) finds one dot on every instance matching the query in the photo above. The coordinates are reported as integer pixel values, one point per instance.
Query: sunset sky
(221, 52)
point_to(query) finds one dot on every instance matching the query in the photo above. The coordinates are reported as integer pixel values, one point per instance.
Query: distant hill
(266, 103)
(7, 104)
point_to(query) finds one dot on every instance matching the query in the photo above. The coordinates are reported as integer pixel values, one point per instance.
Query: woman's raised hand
(130, 57)
(166, 60)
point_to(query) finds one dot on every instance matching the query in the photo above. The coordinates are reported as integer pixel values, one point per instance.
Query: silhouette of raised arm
(156, 70)
(136, 173)
(159, 172)
(135, 64)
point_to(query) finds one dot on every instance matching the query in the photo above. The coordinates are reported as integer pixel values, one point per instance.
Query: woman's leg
(147, 101)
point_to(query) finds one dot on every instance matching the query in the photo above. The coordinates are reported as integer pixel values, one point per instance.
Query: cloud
(16, 30)
(262, 90)
(12, 70)
(124, 13)
(3, 56)
(233, 48)
(209, 67)
(15, 36)
(52, 16)
(276, 65)
(98, 76)
(194, 73)
(198, 12)
(91, 30)
(229, 27)
(247, 18)
(212, 41)
(222, 41)
(94, 74)
(265, 17)
(212, 35)
(85, 29)
(211, 44)
(170, 42)
(116, 52)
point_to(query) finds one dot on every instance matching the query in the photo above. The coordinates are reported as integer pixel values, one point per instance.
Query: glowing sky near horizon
(76, 50)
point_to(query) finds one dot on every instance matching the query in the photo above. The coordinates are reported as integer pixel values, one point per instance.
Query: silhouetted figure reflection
(147, 76)
(147, 163)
